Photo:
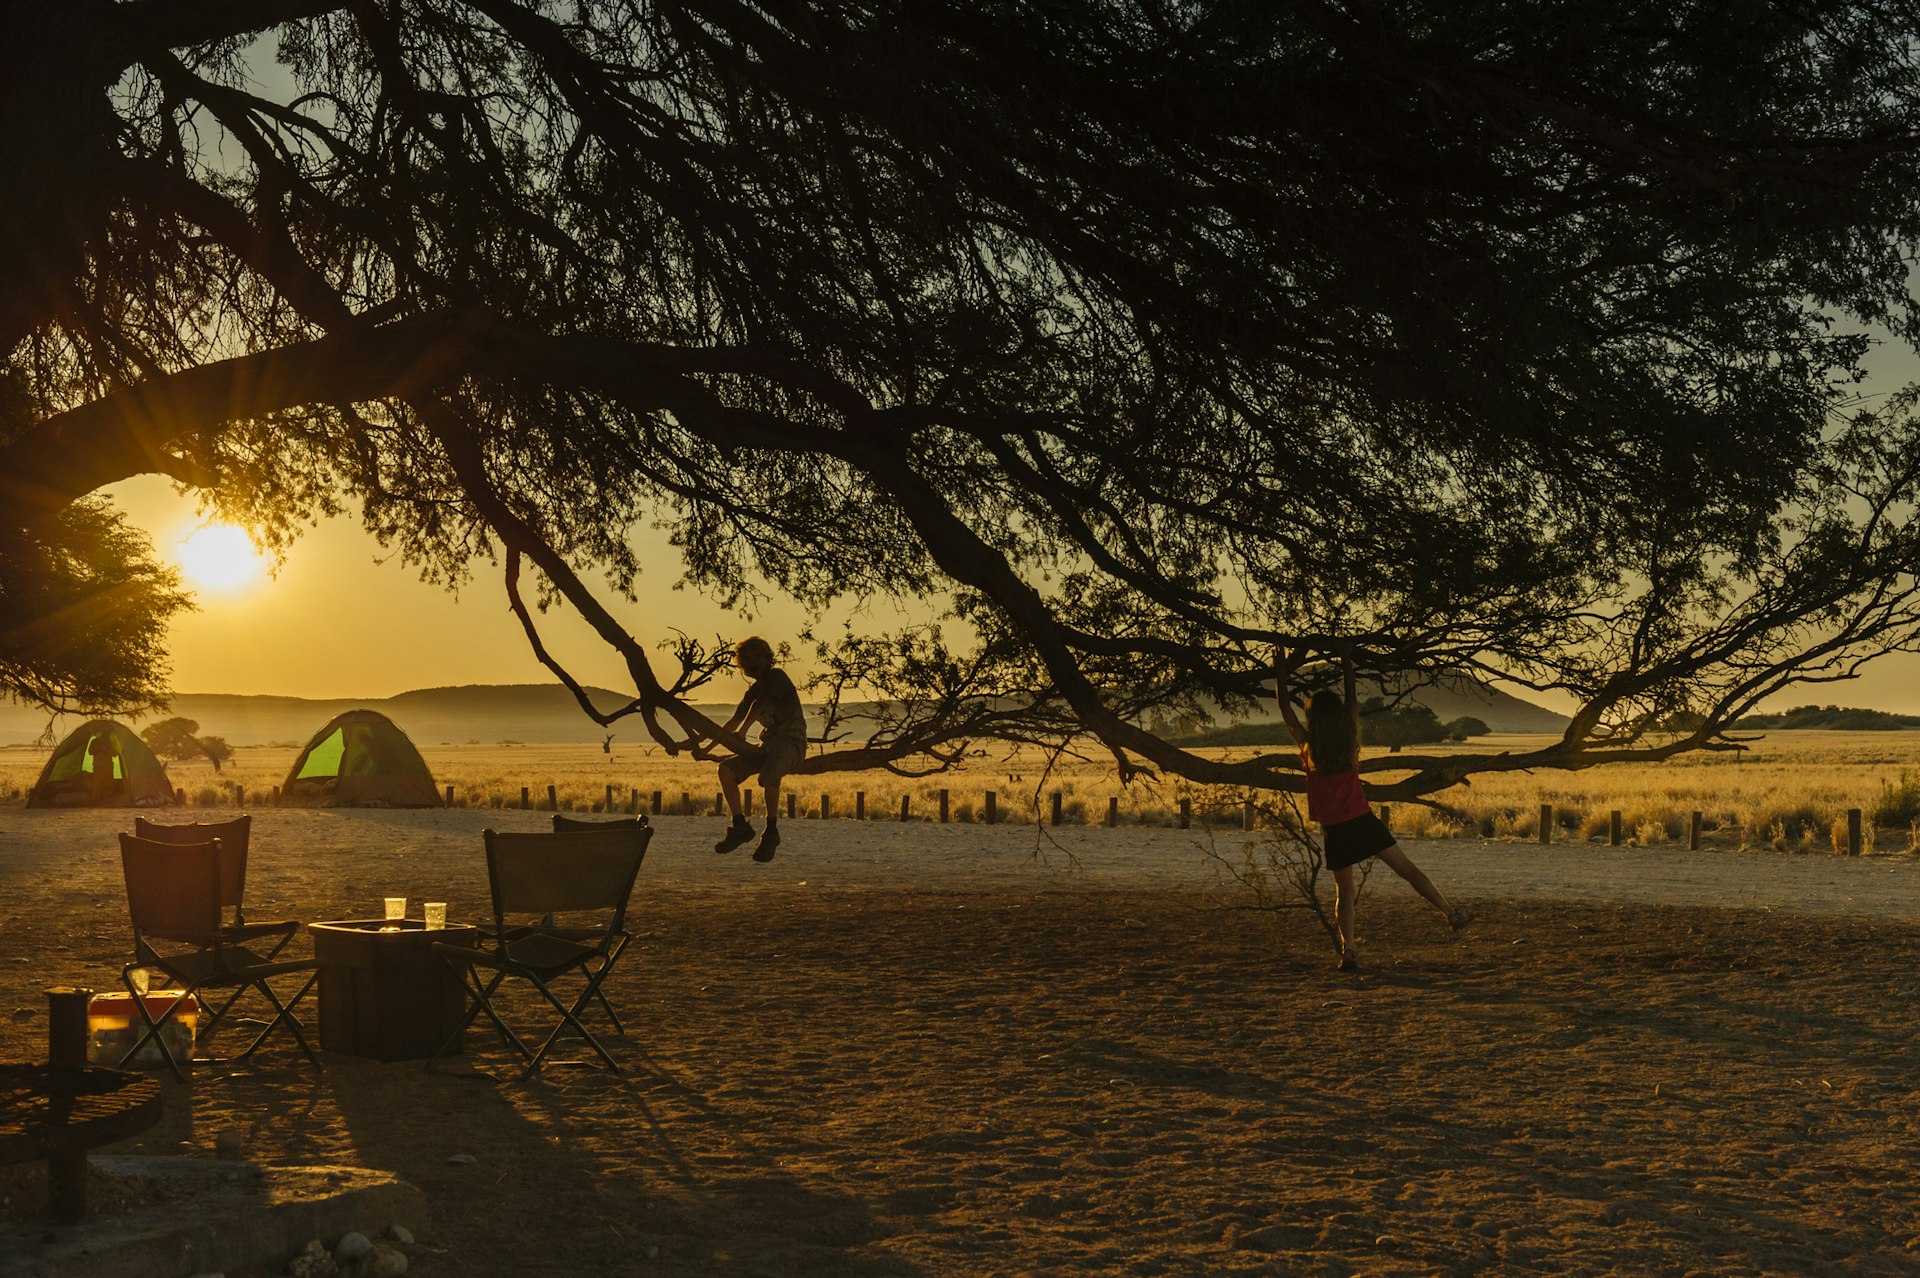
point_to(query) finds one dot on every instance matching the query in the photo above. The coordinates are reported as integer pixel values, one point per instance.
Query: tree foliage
(1511, 339)
(1466, 727)
(179, 738)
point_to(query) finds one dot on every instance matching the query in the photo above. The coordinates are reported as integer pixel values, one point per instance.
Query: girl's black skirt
(1351, 842)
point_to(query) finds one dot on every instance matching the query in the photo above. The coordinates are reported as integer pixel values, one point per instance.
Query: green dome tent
(359, 760)
(101, 764)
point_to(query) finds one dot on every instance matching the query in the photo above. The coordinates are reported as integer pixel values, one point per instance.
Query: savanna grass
(1788, 790)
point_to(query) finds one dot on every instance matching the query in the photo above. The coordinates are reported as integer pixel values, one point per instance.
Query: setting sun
(220, 557)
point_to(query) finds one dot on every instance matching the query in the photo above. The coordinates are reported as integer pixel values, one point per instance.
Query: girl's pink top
(1333, 797)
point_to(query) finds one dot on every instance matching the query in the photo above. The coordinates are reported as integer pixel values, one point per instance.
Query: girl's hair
(1332, 745)
(754, 644)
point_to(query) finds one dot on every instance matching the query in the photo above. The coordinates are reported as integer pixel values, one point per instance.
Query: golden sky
(337, 621)
(343, 620)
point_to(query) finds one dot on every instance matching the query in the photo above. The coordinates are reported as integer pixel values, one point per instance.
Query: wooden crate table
(384, 993)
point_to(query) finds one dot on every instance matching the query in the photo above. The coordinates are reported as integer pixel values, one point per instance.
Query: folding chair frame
(193, 919)
(235, 838)
(543, 953)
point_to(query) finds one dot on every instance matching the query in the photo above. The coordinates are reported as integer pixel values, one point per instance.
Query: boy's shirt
(776, 704)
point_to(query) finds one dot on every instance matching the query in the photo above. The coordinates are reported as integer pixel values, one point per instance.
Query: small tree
(173, 739)
(217, 751)
(179, 738)
(1396, 726)
(1466, 727)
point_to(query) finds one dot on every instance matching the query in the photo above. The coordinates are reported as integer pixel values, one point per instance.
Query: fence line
(1551, 824)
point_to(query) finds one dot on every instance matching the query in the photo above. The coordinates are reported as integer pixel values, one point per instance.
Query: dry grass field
(1789, 791)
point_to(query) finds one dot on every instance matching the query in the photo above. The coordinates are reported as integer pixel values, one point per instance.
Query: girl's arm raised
(1353, 702)
(1283, 664)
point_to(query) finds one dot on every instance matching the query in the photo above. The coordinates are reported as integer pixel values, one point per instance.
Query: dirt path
(927, 1051)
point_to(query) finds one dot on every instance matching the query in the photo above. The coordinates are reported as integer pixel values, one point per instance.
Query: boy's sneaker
(737, 833)
(769, 844)
(1458, 920)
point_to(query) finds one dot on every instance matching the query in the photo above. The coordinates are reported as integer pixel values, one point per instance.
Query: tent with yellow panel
(360, 760)
(101, 764)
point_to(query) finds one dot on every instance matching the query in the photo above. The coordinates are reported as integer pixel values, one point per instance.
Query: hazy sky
(339, 622)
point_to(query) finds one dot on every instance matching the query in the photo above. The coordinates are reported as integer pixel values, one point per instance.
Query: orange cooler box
(113, 1024)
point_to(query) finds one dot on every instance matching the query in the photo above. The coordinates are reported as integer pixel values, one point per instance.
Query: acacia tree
(1511, 339)
(179, 738)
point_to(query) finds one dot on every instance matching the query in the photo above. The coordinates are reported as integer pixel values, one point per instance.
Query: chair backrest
(582, 870)
(233, 836)
(173, 889)
(563, 824)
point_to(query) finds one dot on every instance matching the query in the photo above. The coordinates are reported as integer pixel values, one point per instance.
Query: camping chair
(576, 872)
(174, 896)
(234, 837)
(573, 825)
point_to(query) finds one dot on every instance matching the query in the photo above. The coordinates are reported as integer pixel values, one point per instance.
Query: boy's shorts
(771, 762)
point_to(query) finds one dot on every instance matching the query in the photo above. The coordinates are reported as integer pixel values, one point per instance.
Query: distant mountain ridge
(544, 714)
(1449, 699)
(529, 713)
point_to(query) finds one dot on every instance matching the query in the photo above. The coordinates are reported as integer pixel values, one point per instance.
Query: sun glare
(221, 557)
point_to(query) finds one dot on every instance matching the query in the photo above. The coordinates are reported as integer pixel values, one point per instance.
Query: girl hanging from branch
(1329, 744)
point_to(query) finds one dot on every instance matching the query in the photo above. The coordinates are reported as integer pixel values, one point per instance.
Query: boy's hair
(754, 644)
(1332, 745)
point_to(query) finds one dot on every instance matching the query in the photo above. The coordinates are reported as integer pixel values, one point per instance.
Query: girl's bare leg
(1343, 907)
(1400, 864)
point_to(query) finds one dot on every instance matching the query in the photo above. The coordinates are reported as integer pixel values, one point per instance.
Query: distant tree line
(1381, 724)
(1844, 718)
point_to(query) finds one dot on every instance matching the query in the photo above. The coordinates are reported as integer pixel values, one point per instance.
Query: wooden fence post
(276, 796)
(746, 800)
(526, 798)
(686, 804)
(1853, 831)
(906, 806)
(943, 807)
(1186, 814)
(1056, 807)
(1246, 815)
(633, 801)
(859, 805)
(1113, 811)
(1613, 828)
(719, 802)
(553, 798)
(1693, 833)
(449, 796)
(609, 802)
(657, 805)
(793, 803)
(826, 807)
(1546, 823)
(993, 807)
(1386, 816)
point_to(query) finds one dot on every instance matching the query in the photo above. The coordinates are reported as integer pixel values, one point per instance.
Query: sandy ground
(960, 1050)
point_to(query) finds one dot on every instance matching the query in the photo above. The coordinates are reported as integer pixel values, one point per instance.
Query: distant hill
(538, 713)
(488, 713)
(1500, 711)
(1839, 718)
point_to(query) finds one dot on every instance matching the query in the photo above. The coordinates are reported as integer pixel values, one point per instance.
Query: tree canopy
(179, 738)
(1514, 339)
